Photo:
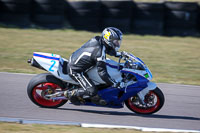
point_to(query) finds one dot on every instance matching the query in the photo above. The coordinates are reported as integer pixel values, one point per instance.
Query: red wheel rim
(41, 100)
(148, 109)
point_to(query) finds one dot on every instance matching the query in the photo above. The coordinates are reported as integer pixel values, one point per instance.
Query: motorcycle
(139, 94)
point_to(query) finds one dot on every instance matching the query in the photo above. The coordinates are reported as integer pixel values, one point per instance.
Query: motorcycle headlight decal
(146, 75)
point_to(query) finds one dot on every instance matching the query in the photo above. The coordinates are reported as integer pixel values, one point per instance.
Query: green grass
(171, 59)
(36, 128)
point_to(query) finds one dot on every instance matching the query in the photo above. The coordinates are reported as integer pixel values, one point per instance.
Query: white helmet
(112, 38)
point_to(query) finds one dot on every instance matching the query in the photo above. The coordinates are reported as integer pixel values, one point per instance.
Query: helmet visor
(117, 43)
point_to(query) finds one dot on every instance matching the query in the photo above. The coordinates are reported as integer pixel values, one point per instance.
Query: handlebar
(126, 56)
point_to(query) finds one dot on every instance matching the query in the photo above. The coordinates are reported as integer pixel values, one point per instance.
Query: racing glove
(124, 54)
(118, 85)
(118, 54)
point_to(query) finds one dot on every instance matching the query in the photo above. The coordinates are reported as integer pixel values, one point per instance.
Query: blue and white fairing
(54, 64)
(146, 73)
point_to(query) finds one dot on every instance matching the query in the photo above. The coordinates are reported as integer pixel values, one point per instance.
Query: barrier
(13, 12)
(148, 18)
(181, 18)
(116, 14)
(48, 13)
(84, 15)
(198, 20)
(166, 18)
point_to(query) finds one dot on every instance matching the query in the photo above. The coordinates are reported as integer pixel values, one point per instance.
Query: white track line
(145, 129)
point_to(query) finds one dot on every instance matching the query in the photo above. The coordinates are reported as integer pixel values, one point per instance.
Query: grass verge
(171, 59)
(36, 128)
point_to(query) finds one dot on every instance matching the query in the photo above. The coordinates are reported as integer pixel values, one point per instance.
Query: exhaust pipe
(29, 61)
(34, 63)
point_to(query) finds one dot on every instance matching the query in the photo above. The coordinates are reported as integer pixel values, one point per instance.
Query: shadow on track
(130, 114)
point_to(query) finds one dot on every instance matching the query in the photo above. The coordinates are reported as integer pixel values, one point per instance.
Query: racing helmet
(112, 38)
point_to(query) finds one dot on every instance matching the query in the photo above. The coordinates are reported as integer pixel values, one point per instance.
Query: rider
(93, 53)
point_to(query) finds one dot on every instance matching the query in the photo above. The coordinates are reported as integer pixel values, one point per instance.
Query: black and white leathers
(92, 53)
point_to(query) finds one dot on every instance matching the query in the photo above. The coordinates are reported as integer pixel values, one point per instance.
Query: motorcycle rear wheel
(41, 85)
(154, 101)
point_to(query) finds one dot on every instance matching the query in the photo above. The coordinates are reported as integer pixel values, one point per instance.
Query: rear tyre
(154, 101)
(43, 84)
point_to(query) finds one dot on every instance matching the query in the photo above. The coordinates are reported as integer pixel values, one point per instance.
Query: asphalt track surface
(180, 111)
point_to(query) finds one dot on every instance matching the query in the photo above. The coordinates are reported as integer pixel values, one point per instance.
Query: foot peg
(98, 101)
(76, 96)
(102, 102)
(68, 94)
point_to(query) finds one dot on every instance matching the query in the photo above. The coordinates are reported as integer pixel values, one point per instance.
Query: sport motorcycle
(138, 93)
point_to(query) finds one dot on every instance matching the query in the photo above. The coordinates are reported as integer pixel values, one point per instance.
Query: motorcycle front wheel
(154, 101)
(44, 84)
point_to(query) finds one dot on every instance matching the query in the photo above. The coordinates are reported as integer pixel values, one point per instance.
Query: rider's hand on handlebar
(121, 54)
(124, 54)
(118, 85)
(118, 54)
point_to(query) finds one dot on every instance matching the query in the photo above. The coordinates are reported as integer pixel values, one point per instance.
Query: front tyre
(154, 101)
(44, 84)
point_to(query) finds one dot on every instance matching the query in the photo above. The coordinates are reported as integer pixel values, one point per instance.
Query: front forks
(145, 91)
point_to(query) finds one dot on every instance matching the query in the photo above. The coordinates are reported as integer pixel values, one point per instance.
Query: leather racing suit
(92, 53)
